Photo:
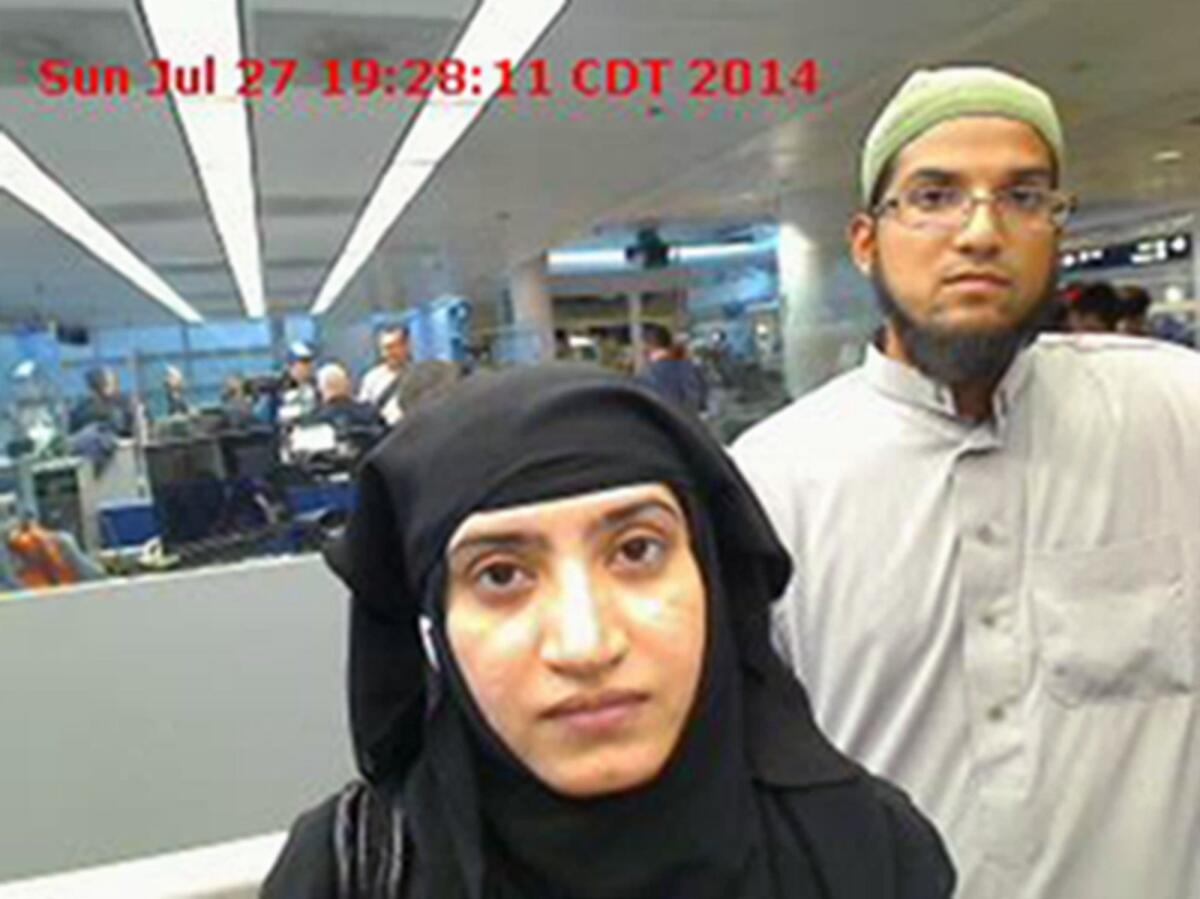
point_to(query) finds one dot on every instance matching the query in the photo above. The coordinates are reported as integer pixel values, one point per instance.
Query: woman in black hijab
(561, 680)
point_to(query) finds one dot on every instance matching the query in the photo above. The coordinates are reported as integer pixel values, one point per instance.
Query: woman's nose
(580, 633)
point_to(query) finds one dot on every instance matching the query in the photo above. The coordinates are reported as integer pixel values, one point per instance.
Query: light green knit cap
(932, 96)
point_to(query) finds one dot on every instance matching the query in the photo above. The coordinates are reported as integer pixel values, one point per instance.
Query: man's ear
(860, 235)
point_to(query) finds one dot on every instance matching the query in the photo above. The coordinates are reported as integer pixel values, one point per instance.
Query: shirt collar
(908, 385)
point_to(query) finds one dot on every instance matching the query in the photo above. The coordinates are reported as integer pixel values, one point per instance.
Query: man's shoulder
(819, 420)
(1130, 365)
(375, 372)
(374, 381)
(1116, 349)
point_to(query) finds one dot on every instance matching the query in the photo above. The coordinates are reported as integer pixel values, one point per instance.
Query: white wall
(143, 716)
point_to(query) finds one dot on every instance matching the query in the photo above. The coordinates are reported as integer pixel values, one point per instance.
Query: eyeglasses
(948, 208)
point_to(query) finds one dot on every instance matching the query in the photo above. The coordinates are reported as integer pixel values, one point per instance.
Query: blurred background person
(1135, 308)
(33, 422)
(297, 394)
(237, 405)
(356, 425)
(670, 373)
(175, 389)
(37, 558)
(1094, 307)
(104, 407)
(381, 385)
(338, 407)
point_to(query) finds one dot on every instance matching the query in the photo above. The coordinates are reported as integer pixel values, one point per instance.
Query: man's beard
(956, 358)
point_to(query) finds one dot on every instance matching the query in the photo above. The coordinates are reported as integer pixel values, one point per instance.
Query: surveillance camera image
(599, 449)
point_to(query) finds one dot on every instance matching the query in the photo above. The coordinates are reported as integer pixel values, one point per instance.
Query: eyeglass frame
(973, 199)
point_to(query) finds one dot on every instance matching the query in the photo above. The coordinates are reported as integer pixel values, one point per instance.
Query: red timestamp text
(588, 78)
(615, 78)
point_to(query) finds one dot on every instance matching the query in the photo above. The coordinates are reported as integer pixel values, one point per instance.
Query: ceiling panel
(315, 147)
(56, 280)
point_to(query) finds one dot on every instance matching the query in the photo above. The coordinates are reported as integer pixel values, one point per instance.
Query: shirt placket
(987, 508)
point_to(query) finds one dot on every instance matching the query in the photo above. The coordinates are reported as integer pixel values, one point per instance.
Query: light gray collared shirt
(1004, 616)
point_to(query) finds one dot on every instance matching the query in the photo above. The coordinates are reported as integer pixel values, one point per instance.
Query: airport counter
(233, 870)
(157, 714)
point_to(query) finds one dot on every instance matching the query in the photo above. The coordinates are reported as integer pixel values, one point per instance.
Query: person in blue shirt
(670, 373)
(104, 406)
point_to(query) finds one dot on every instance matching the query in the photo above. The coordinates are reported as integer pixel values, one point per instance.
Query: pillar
(533, 308)
(827, 311)
(633, 301)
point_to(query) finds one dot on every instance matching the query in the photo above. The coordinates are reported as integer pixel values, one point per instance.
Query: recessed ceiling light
(25, 180)
(1168, 156)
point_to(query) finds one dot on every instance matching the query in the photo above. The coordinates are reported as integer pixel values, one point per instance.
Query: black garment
(428, 382)
(238, 415)
(753, 804)
(113, 414)
(679, 380)
(347, 415)
(177, 403)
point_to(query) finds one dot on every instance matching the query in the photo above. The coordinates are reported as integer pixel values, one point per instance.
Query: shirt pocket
(1115, 623)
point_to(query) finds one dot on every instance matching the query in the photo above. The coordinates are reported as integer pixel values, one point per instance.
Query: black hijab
(722, 819)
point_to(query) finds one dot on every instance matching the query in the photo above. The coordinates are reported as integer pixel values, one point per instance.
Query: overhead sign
(1157, 250)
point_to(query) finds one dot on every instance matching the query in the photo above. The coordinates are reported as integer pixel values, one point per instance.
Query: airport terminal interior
(242, 240)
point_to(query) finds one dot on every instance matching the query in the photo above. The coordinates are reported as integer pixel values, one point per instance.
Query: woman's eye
(501, 576)
(640, 552)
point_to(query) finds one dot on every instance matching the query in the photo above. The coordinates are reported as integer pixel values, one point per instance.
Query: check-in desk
(122, 477)
(64, 493)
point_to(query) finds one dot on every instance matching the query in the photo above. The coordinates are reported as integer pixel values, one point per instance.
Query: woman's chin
(584, 778)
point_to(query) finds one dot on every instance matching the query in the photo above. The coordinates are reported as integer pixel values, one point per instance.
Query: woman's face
(579, 625)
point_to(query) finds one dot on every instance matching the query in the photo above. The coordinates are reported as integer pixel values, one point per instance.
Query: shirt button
(996, 713)
(986, 533)
(988, 620)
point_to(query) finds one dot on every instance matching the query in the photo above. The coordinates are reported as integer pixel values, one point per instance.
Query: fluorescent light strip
(22, 177)
(608, 260)
(500, 30)
(216, 126)
(720, 252)
(569, 262)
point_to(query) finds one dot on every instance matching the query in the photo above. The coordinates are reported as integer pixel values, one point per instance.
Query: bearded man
(996, 535)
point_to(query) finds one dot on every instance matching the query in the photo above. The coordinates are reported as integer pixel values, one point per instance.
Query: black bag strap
(368, 845)
(392, 389)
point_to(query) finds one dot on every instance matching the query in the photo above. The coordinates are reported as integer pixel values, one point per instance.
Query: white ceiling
(533, 175)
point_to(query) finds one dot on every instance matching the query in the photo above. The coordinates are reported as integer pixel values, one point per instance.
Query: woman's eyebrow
(512, 541)
(617, 517)
(517, 540)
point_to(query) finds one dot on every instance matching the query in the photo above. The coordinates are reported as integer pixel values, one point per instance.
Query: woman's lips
(597, 714)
